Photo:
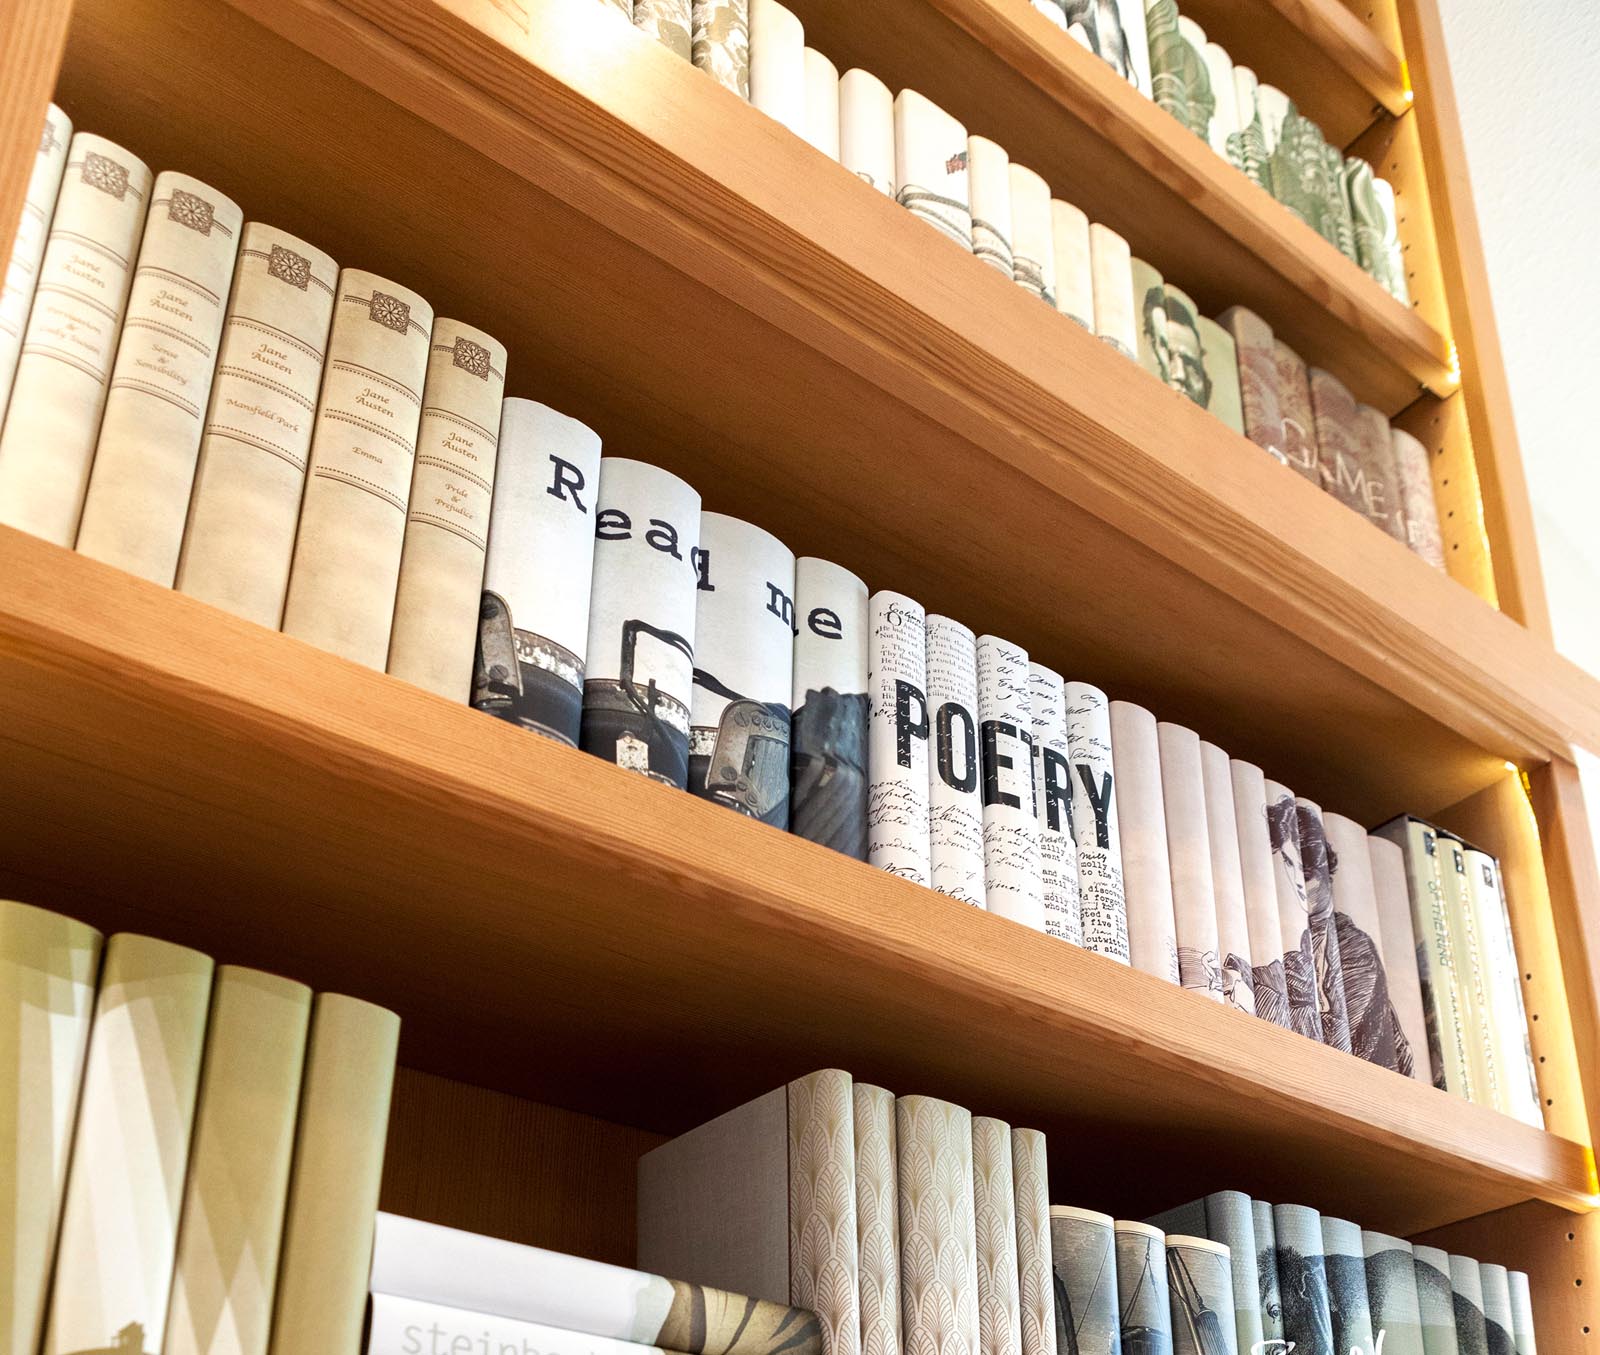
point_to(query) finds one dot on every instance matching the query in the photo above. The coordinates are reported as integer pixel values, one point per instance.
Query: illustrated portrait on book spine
(1299, 966)
(1374, 1024)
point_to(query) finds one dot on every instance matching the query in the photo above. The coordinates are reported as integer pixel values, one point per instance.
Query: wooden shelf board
(551, 925)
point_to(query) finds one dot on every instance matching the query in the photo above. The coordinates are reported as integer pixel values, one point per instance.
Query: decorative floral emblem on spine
(189, 210)
(390, 312)
(47, 138)
(287, 266)
(472, 358)
(104, 173)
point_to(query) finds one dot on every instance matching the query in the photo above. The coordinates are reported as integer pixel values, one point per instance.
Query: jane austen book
(828, 735)
(989, 189)
(762, 1201)
(778, 64)
(1220, 357)
(143, 475)
(1300, 967)
(1392, 1293)
(1299, 419)
(48, 966)
(251, 469)
(1074, 263)
(1258, 379)
(27, 247)
(1375, 440)
(1272, 1315)
(669, 22)
(1035, 1282)
(898, 839)
(1345, 1263)
(744, 670)
(1052, 791)
(1194, 890)
(1497, 1308)
(955, 763)
(447, 522)
(399, 1326)
(938, 1242)
(1413, 475)
(1375, 1033)
(1327, 962)
(58, 394)
(119, 1226)
(426, 1263)
(353, 518)
(1508, 1021)
(1146, 864)
(333, 1184)
(1083, 1256)
(1338, 440)
(1375, 220)
(1150, 314)
(930, 166)
(1236, 973)
(1522, 1332)
(1436, 1301)
(1302, 1279)
(1033, 256)
(866, 129)
(822, 103)
(1260, 872)
(1115, 319)
(639, 673)
(1186, 358)
(1200, 1288)
(533, 613)
(238, 1181)
(877, 1219)
(720, 42)
(1488, 1080)
(1466, 1282)
(1011, 866)
(1094, 823)
(1398, 942)
(1144, 1306)
(995, 1231)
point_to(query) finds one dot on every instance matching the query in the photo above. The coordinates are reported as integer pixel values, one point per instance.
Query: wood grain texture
(536, 915)
(1441, 426)
(32, 35)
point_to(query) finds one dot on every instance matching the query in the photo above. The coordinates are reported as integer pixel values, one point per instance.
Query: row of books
(193, 1151)
(969, 189)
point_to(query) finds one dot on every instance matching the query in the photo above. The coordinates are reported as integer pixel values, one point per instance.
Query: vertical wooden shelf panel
(33, 34)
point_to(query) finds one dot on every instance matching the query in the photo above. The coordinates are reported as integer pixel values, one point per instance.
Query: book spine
(1074, 263)
(1011, 865)
(994, 1207)
(1125, 44)
(1471, 977)
(1169, 53)
(538, 570)
(1338, 440)
(1033, 255)
(1258, 379)
(1150, 315)
(897, 738)
(1230, 1220)
(744, 670)
(1272, 1330)
(1115, 320)
(1376, 228)
(778, 64)
(866, 129)
(333, 1186)
(720, 42)
(1220, 362)
(1466, 1282)
(432, 639)
(1507, 1018)
(1299, 966)
(1183, 1218)
(27, 248)
(1258, 865)
(1252, 139)
(1341, 228)
(669, 22)
(143, 474)
(1273, 108)
(938, 1242)
(353, 515)
(1435, 1300)
(639, 675)
(989, 184)
(1302, 1279)
(877, 1219)
(1496, 1285)
(1083, 1257)
(1236, 972)
(1146, 866)
(1225, 132)
(828, 762)
(1186, 359)
(1143, 1296)
(1375, 439)
(1345, 1263)
(955, 795)
(822, 103)
(1374, 1027)
(119, 1225)
(1195, 897)
(1052, 789)
(48, 967)
(59, 391)
(1399, 946)
(1522, 1042)
(930, 166)
(824, 1267)
(1299, 419)
(1094, 823)
(1200, 1286)
(1414, 478)
(238, 1181)
(401, 1326)
(1327, 962)
(1035, 1286)
(1522, 1314)
(1392, 1293)
(250, 471)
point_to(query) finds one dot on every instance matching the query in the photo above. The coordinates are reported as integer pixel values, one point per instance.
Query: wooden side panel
(33, 34)
(1442, 427)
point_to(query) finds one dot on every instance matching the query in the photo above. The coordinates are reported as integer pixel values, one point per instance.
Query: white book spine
(1522, 1312)
(1052, 782)
(1134, 44)
(1272, 107)
(669, 22)
(143, 475)
(822, 103)
(1035, 1284)
(866, 129)
(739, 712)
(989, 185)
(1074, 263)
(721, 42)
(897, 738)
(250, 472)
(409, 1327)
(1224, 127)
(1399, 944)
(995, 1230)
(938, 1241)
(27, 248)
(877, 1219)
(353, 518)
(1258, 872)
(59, 391)
(1094, 823)
(1112, 262)
(1194, 893)
(778, 64)
(1472, 979)
(1437, 958)
(1362, 961)
(930, 166)
(1508, 1021)
(1011, 867)
(1033, 254)
(447, 518)
(1227, 880)
(1146, 865)
(955, 765)
(639, 676)
(533, 616)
